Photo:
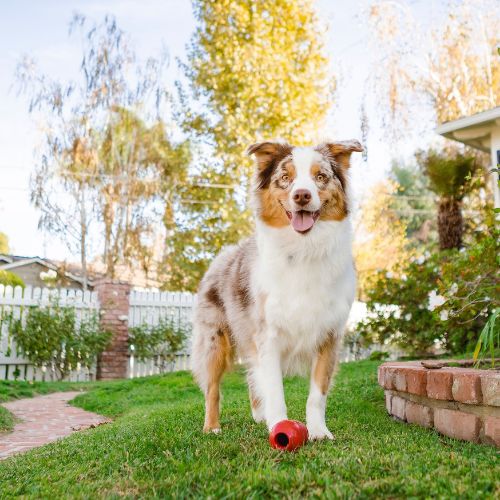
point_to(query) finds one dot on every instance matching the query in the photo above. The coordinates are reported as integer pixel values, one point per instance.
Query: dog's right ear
(266, 152)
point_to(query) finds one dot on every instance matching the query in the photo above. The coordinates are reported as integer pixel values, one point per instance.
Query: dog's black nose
(302, 197)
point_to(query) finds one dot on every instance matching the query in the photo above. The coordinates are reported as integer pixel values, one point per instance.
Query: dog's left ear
(341, 151)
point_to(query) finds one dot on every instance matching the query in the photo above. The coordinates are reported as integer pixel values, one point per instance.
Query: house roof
(14, 261)
(473, 130)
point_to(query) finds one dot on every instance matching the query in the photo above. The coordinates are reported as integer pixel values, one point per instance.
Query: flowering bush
(439, 300)
(469, 290)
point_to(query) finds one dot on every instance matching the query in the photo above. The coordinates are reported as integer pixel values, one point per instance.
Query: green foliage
(4, 243)
(397, 304)
(52, 337)
(448, 175)
(414, 203)
(9, 278)
(160, 342)
(469, 285)
(438, 300)
(378, 356)
(256, 70)
(489, 340)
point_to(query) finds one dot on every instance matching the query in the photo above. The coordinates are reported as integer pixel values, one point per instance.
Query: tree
(413, 203)
(4, 243)
(100, 161)
(449, 178)
(255, 70)
(140, 170)
(380, 243)
(451, 66)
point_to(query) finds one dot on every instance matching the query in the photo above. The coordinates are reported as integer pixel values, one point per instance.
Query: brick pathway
(44, 419)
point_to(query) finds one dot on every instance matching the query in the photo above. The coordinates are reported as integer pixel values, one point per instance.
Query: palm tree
(449, 178)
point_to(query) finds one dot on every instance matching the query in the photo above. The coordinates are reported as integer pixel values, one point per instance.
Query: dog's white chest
(308, 289)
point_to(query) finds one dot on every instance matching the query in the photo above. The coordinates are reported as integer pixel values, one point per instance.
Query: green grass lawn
(155, 448)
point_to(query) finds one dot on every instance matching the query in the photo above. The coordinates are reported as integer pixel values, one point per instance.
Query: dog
(279, 301)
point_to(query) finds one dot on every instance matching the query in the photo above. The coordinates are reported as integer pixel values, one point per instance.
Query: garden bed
(463, 403)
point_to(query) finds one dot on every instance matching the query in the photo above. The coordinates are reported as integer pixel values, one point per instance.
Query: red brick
(387, 378)
(466, 386)
(418, 414)
(400, 379)
(113, 296)
(398, 406)
(492, 430)
(388, 399)
(490, 387)
(416, 381)
(439, 383)
(457, 424)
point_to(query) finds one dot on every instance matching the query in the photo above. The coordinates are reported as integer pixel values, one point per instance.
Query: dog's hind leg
(211, 358)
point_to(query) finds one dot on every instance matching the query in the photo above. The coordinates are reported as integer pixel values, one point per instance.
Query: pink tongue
(302, 221)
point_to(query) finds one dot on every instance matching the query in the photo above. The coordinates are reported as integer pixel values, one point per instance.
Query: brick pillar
(114, 305)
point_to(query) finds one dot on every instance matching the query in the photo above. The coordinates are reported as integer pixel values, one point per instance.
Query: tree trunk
(83, 240)
(450, 223)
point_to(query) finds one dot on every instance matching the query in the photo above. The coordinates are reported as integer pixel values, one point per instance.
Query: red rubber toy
(288, 435)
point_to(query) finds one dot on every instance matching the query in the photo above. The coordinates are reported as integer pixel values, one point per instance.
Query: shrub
(159, 342)
(397, 307)
(442, 299)
(52, 337)
(8, 278)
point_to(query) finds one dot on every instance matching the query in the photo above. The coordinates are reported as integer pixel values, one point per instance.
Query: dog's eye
(285, 178)
(321, 177)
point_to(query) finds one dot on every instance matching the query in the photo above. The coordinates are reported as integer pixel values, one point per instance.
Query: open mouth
(302, 220)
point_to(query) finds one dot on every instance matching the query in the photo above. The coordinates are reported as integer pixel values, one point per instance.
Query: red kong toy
(288, 435)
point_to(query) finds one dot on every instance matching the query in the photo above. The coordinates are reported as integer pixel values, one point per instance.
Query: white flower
(404, 277)
(443, 315)
(453, 289)
(49, 275)
(389, 275)
(435, 300)
(421, 260)
(408, 317)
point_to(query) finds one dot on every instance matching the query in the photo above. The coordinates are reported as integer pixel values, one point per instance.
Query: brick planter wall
(114, 300)
(462, 403)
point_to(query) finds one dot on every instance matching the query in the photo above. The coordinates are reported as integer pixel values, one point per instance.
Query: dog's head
(299, 186)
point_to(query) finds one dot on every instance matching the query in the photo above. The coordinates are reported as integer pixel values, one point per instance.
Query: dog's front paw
(211, 430)
(318, 432)
(258, 414)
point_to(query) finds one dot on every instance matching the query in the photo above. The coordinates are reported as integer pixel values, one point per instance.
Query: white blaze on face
(303, 159)
(303, 216)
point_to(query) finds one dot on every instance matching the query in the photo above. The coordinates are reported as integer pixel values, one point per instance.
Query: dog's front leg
(321, 374)
(269, 378)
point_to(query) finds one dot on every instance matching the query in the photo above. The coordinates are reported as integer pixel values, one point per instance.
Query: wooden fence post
(114, 308)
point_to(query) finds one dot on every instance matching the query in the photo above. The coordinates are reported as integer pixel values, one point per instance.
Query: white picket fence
(18, 301)
(146, 307)
(149, 308)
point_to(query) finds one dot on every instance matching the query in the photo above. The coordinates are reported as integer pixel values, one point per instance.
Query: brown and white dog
(279, 301)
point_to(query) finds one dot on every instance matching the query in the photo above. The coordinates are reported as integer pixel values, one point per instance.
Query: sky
(39, 28)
